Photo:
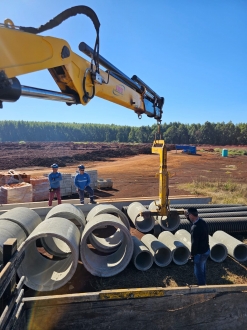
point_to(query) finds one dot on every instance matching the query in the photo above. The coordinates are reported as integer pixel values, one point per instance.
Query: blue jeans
(200, 267)
(81, 193)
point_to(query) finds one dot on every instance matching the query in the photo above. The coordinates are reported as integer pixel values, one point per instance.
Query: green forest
(175, 132)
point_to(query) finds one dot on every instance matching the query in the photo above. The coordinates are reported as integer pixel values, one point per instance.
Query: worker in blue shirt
(82, 181)
(54, 178)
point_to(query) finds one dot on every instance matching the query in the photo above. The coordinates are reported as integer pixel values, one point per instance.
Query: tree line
(174, 132)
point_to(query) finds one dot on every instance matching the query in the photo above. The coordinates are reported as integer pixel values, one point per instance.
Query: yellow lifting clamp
(162, 206)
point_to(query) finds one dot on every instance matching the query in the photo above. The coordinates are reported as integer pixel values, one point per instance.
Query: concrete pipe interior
(162, 257)
(106, 238)
(107, 244)
(43, 271)
(181, 255)
(240, 252)
(218, 252)
(144, 260)
(110, 264)
(144, 224)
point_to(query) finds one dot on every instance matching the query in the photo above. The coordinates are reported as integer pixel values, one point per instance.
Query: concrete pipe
(111, 264)
(107, 238)
(27, 219)
(145, 222)
(236, 248)
(42, 273)
(180, 252)
(69, 212)
(142, 258)
(170, 222)
(183, 236)
(9, 229)
(109, 209)
(53, 245)
(161, 253)
(218, 251)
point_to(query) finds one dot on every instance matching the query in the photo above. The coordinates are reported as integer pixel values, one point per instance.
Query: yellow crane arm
(79, 80)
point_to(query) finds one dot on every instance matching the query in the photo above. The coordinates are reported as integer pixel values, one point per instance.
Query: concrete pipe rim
(240, 252)
(143, 260)
(218, 253)
(159, 256)
(180, 258)
(112, 264)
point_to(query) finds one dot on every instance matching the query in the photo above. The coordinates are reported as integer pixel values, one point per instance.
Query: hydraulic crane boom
(23, 51)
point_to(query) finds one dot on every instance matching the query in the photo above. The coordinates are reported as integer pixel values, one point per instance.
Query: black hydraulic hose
(220, 215)
(229, 225)
(73, 11)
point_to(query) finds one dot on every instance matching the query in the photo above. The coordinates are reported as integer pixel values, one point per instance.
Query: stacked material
(107, 183)
(66, 185)
(16, 193)
(40, 188)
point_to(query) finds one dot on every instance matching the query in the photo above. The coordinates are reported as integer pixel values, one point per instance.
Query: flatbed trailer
(193, 307)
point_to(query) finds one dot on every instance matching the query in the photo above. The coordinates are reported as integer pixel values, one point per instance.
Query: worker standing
(54, 178)
(200, 250)
(82, 182)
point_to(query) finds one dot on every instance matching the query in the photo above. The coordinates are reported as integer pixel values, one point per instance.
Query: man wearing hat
(200, 250)
(54, 178)
(82, 181)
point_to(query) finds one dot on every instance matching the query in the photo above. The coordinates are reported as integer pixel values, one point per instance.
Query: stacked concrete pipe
(184, 236)
(17, 223)
(110, 264)
(236, 248)
(142, 258)
(141, 217)
(53, 245)
(161, 253)
(42, 273)
(218, 251)
(180, 252)
(104, 241)
(169, 222)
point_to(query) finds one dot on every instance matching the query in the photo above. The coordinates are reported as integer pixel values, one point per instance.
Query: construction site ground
(133, 171)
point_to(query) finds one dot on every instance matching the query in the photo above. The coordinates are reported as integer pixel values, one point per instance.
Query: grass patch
(233, 152)
(221, 192)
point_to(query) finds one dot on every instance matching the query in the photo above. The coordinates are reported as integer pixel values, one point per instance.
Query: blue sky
(191, 52)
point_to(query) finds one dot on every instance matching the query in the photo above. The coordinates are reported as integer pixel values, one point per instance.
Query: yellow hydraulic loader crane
(23, 51)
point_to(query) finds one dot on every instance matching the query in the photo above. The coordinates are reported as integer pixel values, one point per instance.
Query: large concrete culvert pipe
(53, 245)
(145, 222)
(169, 222)
(27, 219)
(8, 230)
(236, 248)
(42, 273)
(180, 252)
(218, 251)
(107, 238)
(161, 253)
(142, 258)
(111, 264)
